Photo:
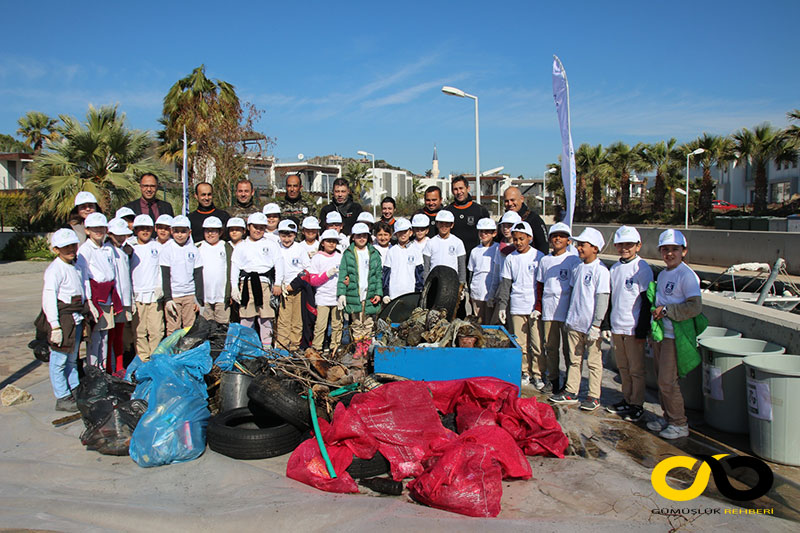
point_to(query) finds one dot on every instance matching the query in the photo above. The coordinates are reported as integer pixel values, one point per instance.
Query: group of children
(137, 280)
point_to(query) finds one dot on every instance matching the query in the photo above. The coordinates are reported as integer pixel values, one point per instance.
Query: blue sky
(338, 77)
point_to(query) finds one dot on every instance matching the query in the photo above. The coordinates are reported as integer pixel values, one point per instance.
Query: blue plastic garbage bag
(173, 429)
(165, 346)
(240, 343)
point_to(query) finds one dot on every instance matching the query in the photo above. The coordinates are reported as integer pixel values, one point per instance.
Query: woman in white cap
(256, 266)
(63, 315)
(181, 276)
(148, 321)
(323, 275)
(215, 257)
(85, 204)
(485, 264)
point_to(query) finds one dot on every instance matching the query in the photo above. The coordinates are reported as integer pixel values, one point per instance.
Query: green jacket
(349, 267)
(686, 332)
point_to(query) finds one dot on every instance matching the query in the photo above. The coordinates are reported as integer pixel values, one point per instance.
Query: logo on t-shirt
(154, 252)
(295, 261)
(629, 284)
(531, 267)
(670, 286)
(190, 255)
(563, 274)
(451, 249)
(410, 259)
(587, 279)
(470, 221)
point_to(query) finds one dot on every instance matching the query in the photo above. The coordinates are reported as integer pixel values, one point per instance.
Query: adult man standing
(388, 206)
(244, 203)
(467, 213)
(514, 201)
(204, 193)
(148, 204)
(343, 204)
(433, 204)
(295, 205)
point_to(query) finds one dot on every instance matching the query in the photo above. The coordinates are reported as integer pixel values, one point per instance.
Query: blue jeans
(64, 367)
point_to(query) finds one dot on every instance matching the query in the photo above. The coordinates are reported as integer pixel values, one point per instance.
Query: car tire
(441, 290)
(364, 468)
(243, 434)
(269, 393)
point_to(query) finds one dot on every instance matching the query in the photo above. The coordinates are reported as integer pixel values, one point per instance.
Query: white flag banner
(185, 178)
(561, 96)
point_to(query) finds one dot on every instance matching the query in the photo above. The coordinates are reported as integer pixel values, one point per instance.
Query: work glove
(606, 335)
(463, 295)
(56, 336)
(158, 293)
(502, 316)
(170, 308)
(94, 311)
(236, 294)
(333, 272)
(536, 315)
(386, 299)
(341, 301)
(593, 334)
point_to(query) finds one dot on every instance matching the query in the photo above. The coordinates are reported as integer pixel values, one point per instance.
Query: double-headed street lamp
(544, 186)
(690, 154)
(461, 94)
(367, 154)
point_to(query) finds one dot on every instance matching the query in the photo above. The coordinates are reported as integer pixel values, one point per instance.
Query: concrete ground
(50, 482)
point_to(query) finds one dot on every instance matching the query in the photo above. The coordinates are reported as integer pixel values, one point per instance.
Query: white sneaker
(657, 424)
(674, 432)
(526, 380)
(538, 383)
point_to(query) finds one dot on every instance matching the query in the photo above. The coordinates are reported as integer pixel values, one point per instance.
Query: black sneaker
(565, 398)
(590, 404)
(634, 414)
(67, 403)
(619, 408)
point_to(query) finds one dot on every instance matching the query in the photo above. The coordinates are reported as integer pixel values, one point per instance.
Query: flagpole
(185, 177)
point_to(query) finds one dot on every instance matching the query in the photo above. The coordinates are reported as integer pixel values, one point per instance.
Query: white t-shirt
(295, 260)
(122, 275)
(486, 265)
(145, 271)
(421, 244)
(628, 281)
(444, 251)
(256, 256)
(403, 262)
(588, 280)
(555, 274)
(215, 271)
(274, 237)
(521, 270)
(322, 262)
(344, 243)
(98, 261)
(310, 249)
(381, 250)
(181, 260)
(363, 272)
(62, 281)
(674, 287)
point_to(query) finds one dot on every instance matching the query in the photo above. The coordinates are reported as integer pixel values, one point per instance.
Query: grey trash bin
(692, 383)
(724, 398)
(233, 390)
(773, 401)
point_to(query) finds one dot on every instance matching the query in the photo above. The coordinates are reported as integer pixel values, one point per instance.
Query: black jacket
(349, 211)
(539, 228)
(467, 215)
(162, 206)
(198, 217)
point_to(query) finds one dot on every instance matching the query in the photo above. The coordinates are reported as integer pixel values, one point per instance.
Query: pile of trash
(431, 328)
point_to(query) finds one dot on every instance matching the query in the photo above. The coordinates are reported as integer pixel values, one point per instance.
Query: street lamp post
(367, 154)
(690, 154)
(461, 94)
(544, 187)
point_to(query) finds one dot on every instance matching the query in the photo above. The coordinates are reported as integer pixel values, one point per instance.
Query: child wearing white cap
(359, 290)
(504, 237)
(383, 238)
(237, 229)
(485, 264)
(290, 313)
(403, 268)
(148, 321)
(101, 288)
(333, 220)
(310, 242)
(516, 292)
(61, 321)
(630, 321)
(215, 256)
(163, 229)
(421, 226)
(273, 214)
(256, 272)
(121, 336)
(587, 308)
(323, 276)
(677, 298)
(553, 294)
(445, 248)
(181, 276)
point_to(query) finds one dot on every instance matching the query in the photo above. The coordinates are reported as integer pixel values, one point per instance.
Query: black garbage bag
(108, 412)
(201, 331)
(217, 339)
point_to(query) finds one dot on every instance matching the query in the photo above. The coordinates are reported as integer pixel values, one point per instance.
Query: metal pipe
(776, 269)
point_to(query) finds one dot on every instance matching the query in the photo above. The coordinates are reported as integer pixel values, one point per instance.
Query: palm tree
(665, 159)
(356, 175)
(100, 155)
(718, 151)
(590, 164)
(793, 131)
(758, 147)
(32, 128)
(623, 160)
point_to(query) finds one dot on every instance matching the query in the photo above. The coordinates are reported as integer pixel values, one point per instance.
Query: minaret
(435, 165)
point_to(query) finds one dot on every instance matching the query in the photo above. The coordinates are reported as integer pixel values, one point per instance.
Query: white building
(13, 170)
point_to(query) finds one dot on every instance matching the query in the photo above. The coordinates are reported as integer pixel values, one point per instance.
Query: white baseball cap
(96, 220)
(671, 236)
(522, 227)
(510, 217)
(181, 221)
(212, 223)
(259, 219)
(85, 197)
(359, 229)
(486, 223)
(402, 224)
(310, 223)
(365, 216)
(592, 236)
(333, 218)
(63, 237)
(287, 225)
(420, 221)
(626, 234)
(236, 222)
(559, 227)
(123, 212)
(272, 209)
(445, 216)
(330, 234)
(143, 221)
(164, 220)
(118, 226)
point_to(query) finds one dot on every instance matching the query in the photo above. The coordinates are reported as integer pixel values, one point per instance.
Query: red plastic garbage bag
(306, 465)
